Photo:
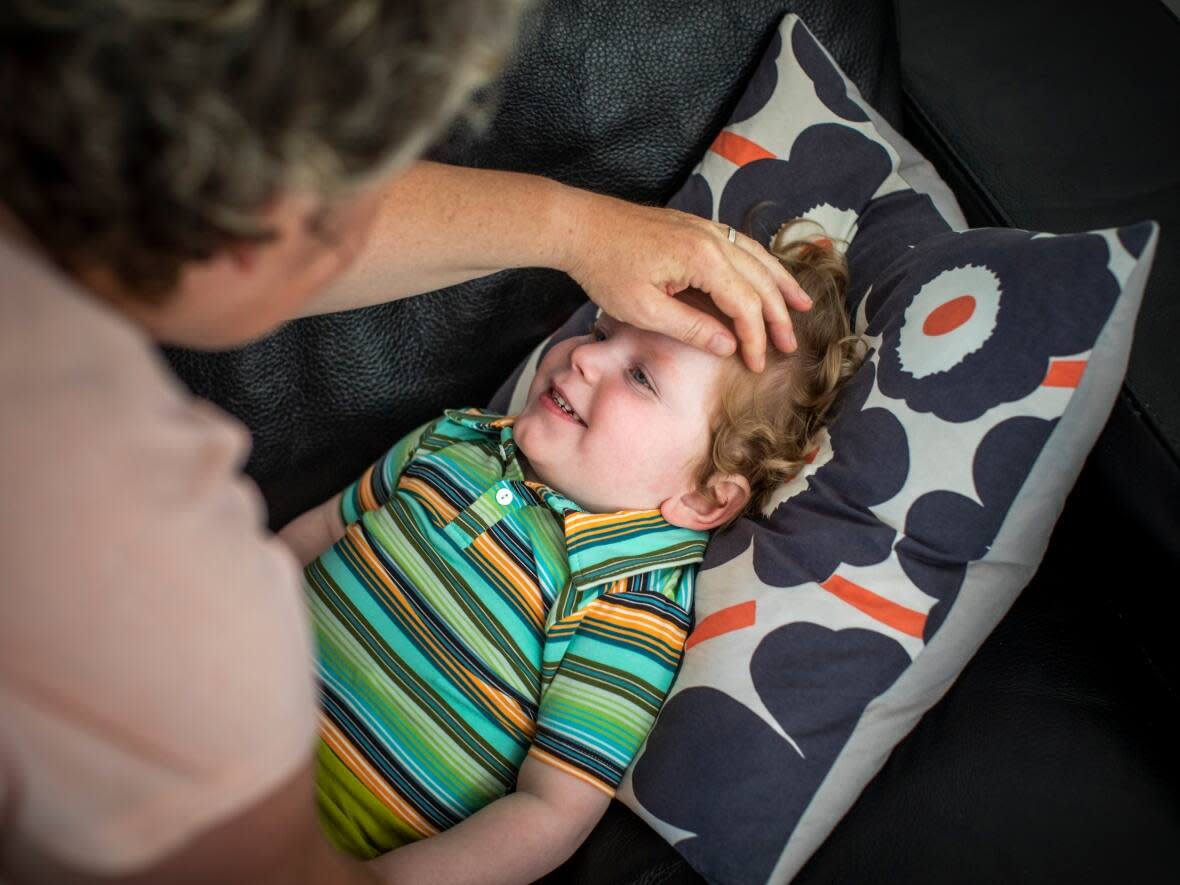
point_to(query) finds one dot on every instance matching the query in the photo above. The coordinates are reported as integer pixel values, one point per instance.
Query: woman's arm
(516, 839)
(439, 225)
(313, 532)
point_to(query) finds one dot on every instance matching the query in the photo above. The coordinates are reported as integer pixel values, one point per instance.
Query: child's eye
(641, 378)
(596, 332)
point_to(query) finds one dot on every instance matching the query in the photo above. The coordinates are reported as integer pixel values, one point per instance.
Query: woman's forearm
(441, 225)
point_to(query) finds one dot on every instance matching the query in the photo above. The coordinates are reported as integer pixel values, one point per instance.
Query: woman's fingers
(767, 285)
(796, 298)
(678, 319)
(755, 261)
(630, 259)
(717, 275)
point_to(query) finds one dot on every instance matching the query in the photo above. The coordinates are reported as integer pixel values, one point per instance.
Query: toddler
(504, 601)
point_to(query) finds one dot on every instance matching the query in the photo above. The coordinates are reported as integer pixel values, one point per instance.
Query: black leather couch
(1052, 758)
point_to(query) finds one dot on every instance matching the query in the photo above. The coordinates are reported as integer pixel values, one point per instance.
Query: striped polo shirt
(469, 617)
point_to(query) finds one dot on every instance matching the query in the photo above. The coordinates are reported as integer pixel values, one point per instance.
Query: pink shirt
(155, 660)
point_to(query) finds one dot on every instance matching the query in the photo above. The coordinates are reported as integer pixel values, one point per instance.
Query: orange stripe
(530, 609)
(590, 519)
(527, 591)
(372, 779)
(644, 623)
(569, 622)
(431, 498)
(549, 758)
(501, 704)
(738, 150)
(365, 488)
(619, 585)
(509, 710)
(588, 522)
(503, 565)
(1064, 373)
(414, 622)
(509, 569)
(900, 618)
(735, 617)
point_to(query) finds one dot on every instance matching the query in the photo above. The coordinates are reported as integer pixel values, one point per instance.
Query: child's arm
(309, 535)
(516, 839)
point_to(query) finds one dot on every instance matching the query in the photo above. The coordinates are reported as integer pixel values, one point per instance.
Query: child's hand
(313, 532)
(632, 259)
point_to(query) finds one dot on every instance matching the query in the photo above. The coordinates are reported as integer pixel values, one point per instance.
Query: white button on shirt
(504, 497)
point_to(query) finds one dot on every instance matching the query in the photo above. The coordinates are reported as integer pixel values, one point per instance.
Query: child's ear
(693, 510)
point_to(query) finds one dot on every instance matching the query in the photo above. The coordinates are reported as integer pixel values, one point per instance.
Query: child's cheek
(546, 366)
(648, 469)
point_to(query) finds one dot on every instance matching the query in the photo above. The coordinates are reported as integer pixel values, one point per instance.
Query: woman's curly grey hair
(139, 135)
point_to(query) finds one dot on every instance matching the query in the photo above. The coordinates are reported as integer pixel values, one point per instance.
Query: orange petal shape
(900, 618)
(1064, 373)
(735, 617)
(949, 316)
(738, 150)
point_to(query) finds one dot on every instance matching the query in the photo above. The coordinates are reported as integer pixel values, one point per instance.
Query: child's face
(642, 403)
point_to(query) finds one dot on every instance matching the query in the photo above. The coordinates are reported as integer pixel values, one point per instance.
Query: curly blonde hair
(765, 424)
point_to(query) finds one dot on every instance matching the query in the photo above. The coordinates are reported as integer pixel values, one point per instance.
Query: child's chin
(533, 422)
(522, 429)
(524, 435)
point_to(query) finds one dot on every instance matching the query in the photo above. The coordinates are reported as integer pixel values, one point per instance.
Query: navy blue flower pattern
(694, 197)
(1032, 272)
(945, 530)
(762, 83)
(1134, 238)
(815, 682)
(808, 178)
(810, 535)
(830, 87)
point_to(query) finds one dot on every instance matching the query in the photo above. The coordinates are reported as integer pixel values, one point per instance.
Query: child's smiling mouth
(555, 402)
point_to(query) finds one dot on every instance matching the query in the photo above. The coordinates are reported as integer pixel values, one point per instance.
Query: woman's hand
(441, 225)
(633, 259)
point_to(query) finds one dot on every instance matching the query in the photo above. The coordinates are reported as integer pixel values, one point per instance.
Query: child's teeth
(565, 407)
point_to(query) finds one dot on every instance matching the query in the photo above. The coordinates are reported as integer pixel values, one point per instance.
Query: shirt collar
(605, 547)
(600, 547)
(477, 419)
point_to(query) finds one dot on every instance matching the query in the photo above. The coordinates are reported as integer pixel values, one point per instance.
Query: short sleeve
(606, 670)
(372, 490)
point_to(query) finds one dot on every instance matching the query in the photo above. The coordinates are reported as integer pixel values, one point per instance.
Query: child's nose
(586, 358)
